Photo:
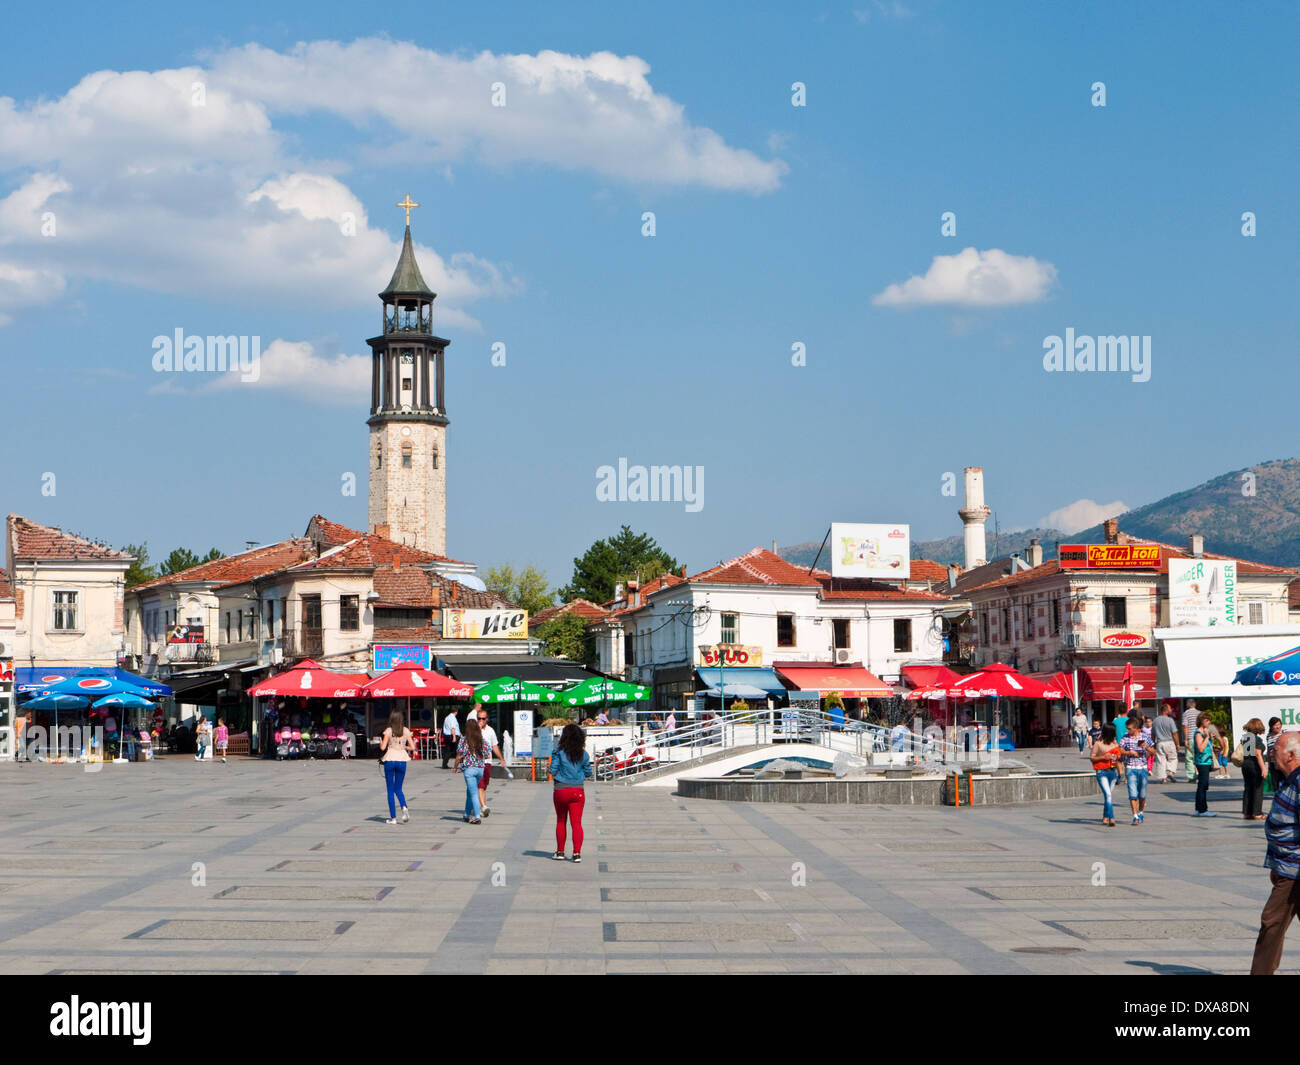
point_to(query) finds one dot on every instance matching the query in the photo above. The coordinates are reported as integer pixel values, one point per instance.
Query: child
(222, 738)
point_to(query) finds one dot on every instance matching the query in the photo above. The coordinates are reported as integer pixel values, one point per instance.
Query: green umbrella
(602, 690)
(510, 690)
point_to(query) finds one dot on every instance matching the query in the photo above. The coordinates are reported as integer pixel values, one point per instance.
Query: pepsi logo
(94, 684)
(1279, 676)
(52, 678)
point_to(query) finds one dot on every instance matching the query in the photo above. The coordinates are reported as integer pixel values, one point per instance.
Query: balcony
(305, 643)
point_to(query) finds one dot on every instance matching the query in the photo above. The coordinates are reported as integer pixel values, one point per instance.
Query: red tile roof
(923, 569)
(584, 608)
(759, 566)
(455, 594)
(408, 586)
(44, 542)
(860, 588)
(1245, 568)
(332, 534)
(235, 569)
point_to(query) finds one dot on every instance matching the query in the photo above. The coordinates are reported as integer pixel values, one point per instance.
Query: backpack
(1238, 756)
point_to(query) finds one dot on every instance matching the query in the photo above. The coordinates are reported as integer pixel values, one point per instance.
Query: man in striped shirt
(1283, 831)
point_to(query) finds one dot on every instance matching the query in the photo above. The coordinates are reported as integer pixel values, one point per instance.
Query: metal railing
(649, 750)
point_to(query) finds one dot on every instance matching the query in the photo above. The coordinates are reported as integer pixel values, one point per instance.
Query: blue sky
(774, 225)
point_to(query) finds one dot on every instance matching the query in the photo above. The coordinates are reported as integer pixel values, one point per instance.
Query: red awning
(1107, 682)
(853, 682)
(930, 676)
(310, 681)
(1057, 682)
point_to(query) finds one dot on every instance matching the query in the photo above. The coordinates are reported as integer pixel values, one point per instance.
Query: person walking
(1136, 751)
(1203, 758)
(1220, 751)
(1094, 733)
(1253, 770)
(222, 738)
(202, 734)
(1282, 829)
(470, 761)
(396, 747)
(1190, 717)
(490, 748)
(1080, 725)
(450, 737)
(1150, 742)
(1164, 733)
(1103, 755)
(570, 767)
(1274, 777)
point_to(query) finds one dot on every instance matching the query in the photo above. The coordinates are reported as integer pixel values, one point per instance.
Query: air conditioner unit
(843, 656)
(277, 655)
(155, 647)
(1071, 641)
(6, 650)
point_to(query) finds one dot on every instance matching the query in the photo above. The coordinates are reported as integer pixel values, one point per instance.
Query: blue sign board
(389, 655)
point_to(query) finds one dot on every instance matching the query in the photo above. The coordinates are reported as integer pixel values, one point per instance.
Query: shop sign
(185, 634)
(734, 655)
(388, 656)
(1202, 591)
(1109, 556)
(1125, 639)
(458, 624)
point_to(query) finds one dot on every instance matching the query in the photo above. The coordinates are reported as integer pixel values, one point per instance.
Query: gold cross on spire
(407, 204)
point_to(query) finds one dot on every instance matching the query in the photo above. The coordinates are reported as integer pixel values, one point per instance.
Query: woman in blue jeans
(397, 745)
(1104, 754)
(470, 759)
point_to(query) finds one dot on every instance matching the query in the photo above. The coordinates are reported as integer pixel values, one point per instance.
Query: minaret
(973, 515)
(408, 414)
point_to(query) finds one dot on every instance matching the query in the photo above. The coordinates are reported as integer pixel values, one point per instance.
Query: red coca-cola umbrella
(307, 680)
(999, 681)
(410, 681)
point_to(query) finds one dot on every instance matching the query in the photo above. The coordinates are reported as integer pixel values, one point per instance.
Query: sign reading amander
(458, 624)
(1110, 556)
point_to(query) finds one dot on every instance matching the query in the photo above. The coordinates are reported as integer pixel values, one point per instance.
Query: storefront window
(1114, 610)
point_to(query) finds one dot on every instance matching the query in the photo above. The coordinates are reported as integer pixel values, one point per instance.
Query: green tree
(182, 558)
(568, 636)
(139, 572)
(525, 588)
(607, 562)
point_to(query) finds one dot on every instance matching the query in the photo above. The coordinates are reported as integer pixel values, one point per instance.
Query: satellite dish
(471, 582)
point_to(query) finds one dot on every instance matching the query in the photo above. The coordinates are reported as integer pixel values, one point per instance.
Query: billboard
(1202, 591)
(460, 624)
(185, 634)
(1109, 556)
(882, 551)
(387, 656)
(734, 655)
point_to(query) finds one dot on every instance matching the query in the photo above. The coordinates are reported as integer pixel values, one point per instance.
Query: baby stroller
(282, 740)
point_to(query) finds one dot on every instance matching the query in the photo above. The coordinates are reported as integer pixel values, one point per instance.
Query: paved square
(264, 867)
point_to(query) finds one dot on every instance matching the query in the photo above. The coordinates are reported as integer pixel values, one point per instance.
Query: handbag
(1238, 756)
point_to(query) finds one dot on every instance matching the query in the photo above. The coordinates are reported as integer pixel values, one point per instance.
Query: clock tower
(408, 414)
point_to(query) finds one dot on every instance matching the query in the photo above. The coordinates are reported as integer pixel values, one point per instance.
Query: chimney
(397, 563)
(774, 550)
(954, 571)
(1111, 527)
(383, 530)
(618, 590)
(1196, 545)
(683, 573)
(455, 591)
(1034, 555)
(973, 516)
(634, 590)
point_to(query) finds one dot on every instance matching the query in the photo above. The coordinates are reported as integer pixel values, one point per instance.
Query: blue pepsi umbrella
(56, 701)
(124, 701)
(1280, 669)
(94, 687)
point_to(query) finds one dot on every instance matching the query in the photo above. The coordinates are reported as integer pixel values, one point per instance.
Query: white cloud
(185, 181)
(883, 8)
(297, 367)
(974, 278)
(1081, 514)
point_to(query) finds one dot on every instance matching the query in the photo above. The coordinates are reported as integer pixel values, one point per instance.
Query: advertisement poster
(1109, 556)
(185, 634)
(881, 551)
(523, 733)
(732, 656)
(389, 655)
(460, 624)
(1202, 592)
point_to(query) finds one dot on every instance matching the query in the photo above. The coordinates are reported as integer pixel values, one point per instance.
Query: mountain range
(1252, 513)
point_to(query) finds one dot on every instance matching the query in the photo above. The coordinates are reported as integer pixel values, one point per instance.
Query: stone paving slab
(300, 875)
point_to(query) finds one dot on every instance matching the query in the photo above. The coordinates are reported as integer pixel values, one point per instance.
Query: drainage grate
(697, 932)
(378, 866)
(650, 868)
(243, 931)
(1047, 950)
(1056, 892)
(1012, 866)
(1191, 929)
(693, 895)
(304, 893)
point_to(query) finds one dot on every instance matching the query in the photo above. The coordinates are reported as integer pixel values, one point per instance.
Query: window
(1005, 634)
(729, 628)
(1029, 621)
(1056, 616)
(402, 618)
(65, 611)
(435, 457)
(227, 626)
(902, 634)
(350, 613)
(406, 384)
(269, 612)
(406, 456)
(785, 630)
(1256, 613)
(629, 650)
(1114, 610)
(239, 625)
(252, 623)
(311, 611)
(379, 456)
(840, 633)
